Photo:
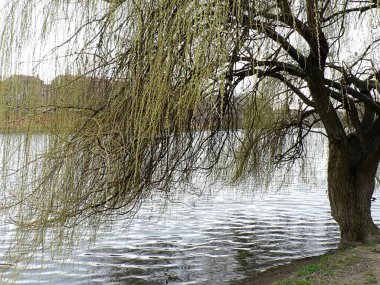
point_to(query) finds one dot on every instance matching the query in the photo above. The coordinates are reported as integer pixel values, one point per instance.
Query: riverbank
(355, 266)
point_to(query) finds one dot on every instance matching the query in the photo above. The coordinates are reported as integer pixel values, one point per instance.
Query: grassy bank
(357, 266)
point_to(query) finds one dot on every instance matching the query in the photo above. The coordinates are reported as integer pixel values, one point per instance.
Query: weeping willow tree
(203, 86)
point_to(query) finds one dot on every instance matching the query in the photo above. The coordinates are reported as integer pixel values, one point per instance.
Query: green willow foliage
(191, 85)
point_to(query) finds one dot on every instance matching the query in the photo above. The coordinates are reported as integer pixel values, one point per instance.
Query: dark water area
(230, 234)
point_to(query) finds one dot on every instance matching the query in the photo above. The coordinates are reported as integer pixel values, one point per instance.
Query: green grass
(371, 278)
(370, 245)
(349, 260)
(328, 265)
(310, 269)
(293, 282)
(305, 275)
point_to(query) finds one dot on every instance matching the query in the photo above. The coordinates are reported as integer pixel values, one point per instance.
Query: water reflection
(227, 236)
(249, 235)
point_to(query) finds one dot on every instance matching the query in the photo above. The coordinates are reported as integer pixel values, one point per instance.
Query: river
(229, 233)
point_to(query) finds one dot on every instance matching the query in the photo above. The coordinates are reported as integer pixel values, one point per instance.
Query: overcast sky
(24, 59)
(27, 60)
(35, 56)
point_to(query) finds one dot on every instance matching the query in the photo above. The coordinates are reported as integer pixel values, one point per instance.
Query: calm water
(230, 234)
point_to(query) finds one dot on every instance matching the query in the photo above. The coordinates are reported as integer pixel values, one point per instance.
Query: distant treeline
(27, 102)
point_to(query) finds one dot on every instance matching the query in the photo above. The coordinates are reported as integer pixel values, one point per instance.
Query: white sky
(23, 60)
(35, 56)
(28, 59)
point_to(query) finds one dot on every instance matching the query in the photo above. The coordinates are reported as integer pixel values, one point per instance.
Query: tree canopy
(198, 85)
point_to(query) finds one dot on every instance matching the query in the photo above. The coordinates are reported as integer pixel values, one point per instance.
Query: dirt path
(358, 266)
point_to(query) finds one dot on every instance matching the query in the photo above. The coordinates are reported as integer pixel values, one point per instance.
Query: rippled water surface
(228, 235)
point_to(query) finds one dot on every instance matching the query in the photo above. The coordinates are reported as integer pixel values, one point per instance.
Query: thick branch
(272, 34)
(294, 23)
(367, 100)
(324, 107)
(279, 65)
(295, 89)
(274, 73)
(376, 4)
(364, 85)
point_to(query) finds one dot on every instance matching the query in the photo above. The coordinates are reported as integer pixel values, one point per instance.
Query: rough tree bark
(353, 159)
(351, 183)
(352, 167)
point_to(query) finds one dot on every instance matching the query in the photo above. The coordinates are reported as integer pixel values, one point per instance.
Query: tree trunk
(351, 183)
